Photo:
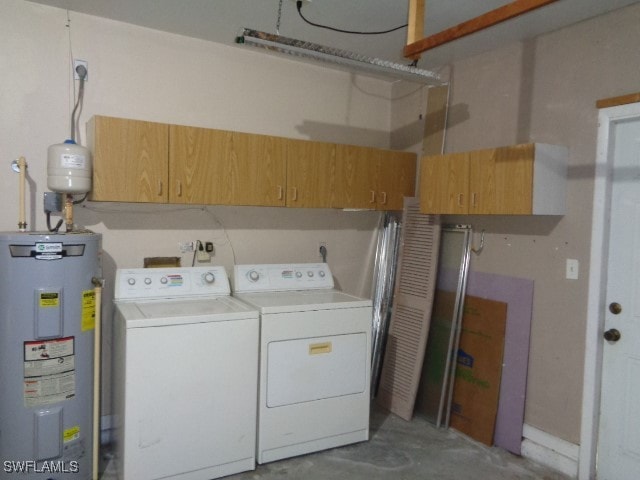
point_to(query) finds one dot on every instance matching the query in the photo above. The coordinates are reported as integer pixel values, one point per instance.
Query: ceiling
(223, 20)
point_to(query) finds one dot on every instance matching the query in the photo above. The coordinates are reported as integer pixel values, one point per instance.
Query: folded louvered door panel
(412, 302)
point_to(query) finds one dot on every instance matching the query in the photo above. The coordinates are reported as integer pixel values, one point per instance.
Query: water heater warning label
(49, 299)
(49, 371)
(88, 310)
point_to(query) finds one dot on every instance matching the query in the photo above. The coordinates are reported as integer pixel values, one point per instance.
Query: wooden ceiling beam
(415, 24)
(486, 20)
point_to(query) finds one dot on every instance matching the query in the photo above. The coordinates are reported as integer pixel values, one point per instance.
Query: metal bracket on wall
(478, 250)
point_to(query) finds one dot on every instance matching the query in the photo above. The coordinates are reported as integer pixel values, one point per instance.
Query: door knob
(615, 308)
(612, 335)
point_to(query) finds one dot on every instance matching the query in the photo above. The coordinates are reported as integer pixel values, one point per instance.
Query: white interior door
(619, 430)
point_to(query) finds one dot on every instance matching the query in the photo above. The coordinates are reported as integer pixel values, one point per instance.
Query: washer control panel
(139, 283)
(281, 277)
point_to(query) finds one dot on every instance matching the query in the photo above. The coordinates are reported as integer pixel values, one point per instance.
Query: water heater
(47, 326)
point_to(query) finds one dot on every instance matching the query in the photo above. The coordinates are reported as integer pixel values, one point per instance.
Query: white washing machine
(315, 345)
(185, 375)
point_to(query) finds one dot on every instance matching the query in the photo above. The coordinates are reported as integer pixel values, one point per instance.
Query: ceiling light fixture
(343, 58)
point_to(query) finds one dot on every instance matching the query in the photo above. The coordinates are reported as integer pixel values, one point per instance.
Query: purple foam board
(518, 294)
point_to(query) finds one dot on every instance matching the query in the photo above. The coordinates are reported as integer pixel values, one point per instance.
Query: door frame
(599, 262)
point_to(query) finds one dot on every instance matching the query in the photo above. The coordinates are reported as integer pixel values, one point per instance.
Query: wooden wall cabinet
(396, 178)
(130, 160)
(528, 179)
(310, 174)
(258, 169)
(444, 183)
(136, 161)
(198, 169)
(373, 178)
(219, 167)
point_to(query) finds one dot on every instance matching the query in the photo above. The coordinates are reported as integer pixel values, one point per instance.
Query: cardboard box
(479, 368)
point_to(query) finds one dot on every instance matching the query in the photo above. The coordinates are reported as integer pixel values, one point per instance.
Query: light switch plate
(573, 267)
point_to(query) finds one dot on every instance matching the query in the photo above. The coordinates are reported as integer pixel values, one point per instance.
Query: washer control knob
(253, 276)
(209, 277)
(321, 273)
(298, 274)
(131, 281)
(147, 281)
(310, 274)
(164, 280)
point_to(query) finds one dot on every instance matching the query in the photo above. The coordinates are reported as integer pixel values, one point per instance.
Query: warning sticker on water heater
(88, 310)
(49, 371)
(49, 299)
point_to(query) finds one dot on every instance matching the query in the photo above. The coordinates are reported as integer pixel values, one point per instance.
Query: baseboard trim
(549, 450)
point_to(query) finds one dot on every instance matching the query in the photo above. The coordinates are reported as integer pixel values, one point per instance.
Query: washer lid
(154, 313)
(303, 301)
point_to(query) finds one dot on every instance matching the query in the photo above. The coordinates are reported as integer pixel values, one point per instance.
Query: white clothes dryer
(185, 375)
(315, 359)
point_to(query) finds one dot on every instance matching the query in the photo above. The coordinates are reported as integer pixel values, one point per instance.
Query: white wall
(145, 74)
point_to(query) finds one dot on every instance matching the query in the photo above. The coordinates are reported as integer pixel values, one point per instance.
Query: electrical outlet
(76, 64)
(203, 256)
(322, 251)
(185, 247)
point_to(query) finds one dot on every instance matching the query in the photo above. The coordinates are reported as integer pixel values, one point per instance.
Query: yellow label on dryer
(71, 434)
(49, 299)
(320, 348)
(88, 310)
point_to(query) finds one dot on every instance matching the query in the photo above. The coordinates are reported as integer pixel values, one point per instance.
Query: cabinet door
(257, 166)
(396, 179)
(357, 176)
(130, 160)
(226, 168)
(198, 167)
(310, 174)
(514, 179)
(501, 180)
(482, 182)
(444, 184)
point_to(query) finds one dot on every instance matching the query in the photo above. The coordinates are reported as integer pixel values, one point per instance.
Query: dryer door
(315, 368)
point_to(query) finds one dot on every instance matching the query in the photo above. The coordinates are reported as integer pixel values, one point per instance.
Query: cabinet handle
(473, 199)
(373, 197)
(179, 188)
(295, 194)
(159, 188)
(279, 192)
(384, 198)
(460, 197)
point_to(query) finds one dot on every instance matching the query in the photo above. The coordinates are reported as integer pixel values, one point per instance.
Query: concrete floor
(400, 450)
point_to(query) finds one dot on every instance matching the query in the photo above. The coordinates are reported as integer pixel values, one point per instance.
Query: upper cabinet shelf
(136, 161)
(528, 179)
